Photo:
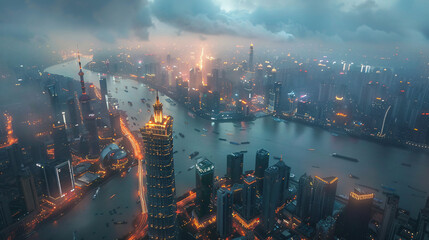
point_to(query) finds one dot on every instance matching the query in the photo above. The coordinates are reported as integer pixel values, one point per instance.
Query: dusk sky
(37, 24)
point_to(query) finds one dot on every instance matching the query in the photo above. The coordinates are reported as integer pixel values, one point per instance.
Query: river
(378, 164)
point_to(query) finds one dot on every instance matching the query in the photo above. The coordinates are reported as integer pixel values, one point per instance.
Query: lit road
(141, 228)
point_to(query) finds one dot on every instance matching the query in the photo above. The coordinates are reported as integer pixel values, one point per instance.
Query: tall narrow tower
(84, 98)
(158, 142)
(251, 58)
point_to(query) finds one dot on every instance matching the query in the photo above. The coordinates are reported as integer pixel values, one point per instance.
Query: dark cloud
(374, 21)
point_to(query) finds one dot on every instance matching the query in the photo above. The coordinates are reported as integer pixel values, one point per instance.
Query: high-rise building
(261, 163)
(234, 166)
(284, 172)
(271, 193)
(59, 178)
(158, 141)
(324, 192)
(249, 197)
(61, 142)
(204, 173)
(304, 196)
(28, 190)
(274, 97)
(74, 118)
(224, 213)
(84, 98)
(251, 58)
(423, 223)
(5, 215)
(93, 140)
(115, 124)
(389, 216)
(103, 87)
(353, 222)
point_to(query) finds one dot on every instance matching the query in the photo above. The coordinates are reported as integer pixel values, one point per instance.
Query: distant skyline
(369, 25)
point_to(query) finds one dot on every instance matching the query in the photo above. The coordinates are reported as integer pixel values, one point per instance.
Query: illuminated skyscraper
(234, 168)
(224, 213)
(261, 163)
(353, 222)
(324, 192)
(204, 173)
(161, 204)
(249, 197)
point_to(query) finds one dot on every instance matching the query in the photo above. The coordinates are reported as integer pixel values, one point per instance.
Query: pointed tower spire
(157, 109)
(82, 81)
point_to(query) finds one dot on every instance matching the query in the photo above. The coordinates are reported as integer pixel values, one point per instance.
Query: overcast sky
(26, 24)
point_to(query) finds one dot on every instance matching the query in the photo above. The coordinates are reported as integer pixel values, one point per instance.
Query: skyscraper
(59, 178)
(303, 196)
(249, 197)
(389, 216)
(93, 140)
(224, 212)
(84, 98)
(158, 141)
(251, 58)
(234, 166)
(423, 223)
(115, 123)
(61, 143)
(353, 222)
(261, 163)
(28, 190)
(284, 172)
(204, 173)
(271, 193)
(324, 192)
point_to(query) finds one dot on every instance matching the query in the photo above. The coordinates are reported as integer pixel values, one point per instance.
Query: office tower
(204, 173)
(423, 223)
(353, 222)
(234, 166)
(271, 194)
(284, 172)
(91, 127)
(28, 190)
(274, 97)
(249, 197)
(389, 216)
(115, 123)
(73, 117)
(224, 212)
(5, 215)
(324, 192)
(261, 163)
(55, 103)
(61, 142)
(251, 58)
(325, 229)
(59, 178)
(304, 196)
(84, 98)
(158, 141)
(103, 87)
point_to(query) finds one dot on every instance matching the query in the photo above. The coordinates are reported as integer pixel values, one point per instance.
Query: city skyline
(214, 119)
